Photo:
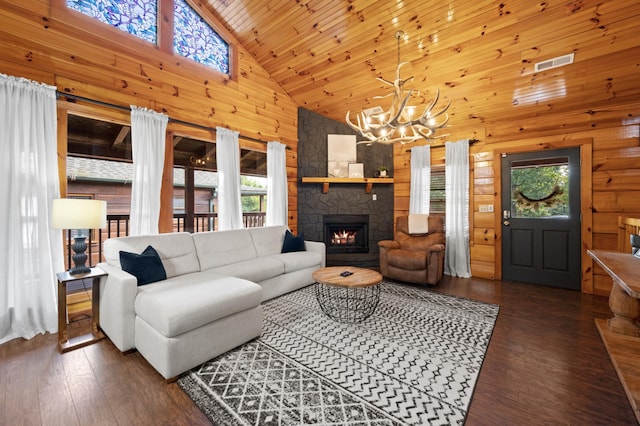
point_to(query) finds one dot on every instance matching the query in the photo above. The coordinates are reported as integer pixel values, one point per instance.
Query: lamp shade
(76, 213)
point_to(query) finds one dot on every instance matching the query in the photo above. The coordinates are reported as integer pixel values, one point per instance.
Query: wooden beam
(122, 134)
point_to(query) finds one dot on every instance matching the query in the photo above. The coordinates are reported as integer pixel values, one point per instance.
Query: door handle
(505, 223)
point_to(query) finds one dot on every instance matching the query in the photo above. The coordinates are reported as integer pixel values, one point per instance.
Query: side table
(64, 343)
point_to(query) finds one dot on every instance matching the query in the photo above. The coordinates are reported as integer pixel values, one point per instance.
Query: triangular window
(194, 38)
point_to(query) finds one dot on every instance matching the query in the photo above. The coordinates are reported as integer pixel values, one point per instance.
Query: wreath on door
(551, 200)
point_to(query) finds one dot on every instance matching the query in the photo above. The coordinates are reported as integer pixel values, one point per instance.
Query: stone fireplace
(345, 199)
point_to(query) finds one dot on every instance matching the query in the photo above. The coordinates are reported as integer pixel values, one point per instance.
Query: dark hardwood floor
(545, 365)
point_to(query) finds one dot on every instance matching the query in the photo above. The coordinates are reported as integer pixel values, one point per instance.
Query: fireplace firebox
(346, 233)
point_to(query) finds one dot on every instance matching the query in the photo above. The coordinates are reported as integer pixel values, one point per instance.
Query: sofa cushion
(146, 266)
(190, 301)
(255, 270)
(296, 261)
(223, 247)
(176, 250)
(292, 243)
(418, 224)
(268, 239)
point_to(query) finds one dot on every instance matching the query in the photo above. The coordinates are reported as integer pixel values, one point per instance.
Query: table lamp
(79, 214)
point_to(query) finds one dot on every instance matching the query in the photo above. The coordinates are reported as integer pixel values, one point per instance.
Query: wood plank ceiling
(327, 54)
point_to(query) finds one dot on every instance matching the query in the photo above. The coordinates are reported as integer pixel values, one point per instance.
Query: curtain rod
(123, 108)
(471, 142)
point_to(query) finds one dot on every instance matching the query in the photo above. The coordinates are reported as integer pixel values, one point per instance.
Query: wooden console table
(621, 333)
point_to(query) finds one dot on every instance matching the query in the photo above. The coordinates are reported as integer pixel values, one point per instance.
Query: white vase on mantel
(383, 173)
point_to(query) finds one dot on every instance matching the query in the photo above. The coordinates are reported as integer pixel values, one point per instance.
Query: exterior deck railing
(118, 226)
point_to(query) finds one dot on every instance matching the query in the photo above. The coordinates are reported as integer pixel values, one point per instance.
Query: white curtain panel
(457, 259)
(277, 191)
(148, 138)
(30, 250)
(228, 160)
(420, 190)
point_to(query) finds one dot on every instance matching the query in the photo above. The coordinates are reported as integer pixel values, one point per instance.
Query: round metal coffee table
(347, 294)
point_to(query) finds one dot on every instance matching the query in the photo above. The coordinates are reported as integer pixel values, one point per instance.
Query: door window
(539, 189)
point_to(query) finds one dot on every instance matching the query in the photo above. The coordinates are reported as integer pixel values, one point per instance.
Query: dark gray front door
(541, 218)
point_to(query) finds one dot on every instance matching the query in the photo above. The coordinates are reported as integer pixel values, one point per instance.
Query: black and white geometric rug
(415, 361)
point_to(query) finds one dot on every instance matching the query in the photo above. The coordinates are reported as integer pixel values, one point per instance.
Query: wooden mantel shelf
(325, 181)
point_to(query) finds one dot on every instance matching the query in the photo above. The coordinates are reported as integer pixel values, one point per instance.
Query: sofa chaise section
(181, 326)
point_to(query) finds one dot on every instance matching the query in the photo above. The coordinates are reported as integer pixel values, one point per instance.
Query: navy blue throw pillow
(292, 243)
(146, 267)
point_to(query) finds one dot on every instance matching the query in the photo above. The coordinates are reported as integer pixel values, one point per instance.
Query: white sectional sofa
(211, 299)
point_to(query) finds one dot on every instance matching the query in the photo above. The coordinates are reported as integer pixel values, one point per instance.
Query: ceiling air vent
(554, 63)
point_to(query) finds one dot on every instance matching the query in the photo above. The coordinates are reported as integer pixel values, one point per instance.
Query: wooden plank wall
(614, 187)
(43, 41)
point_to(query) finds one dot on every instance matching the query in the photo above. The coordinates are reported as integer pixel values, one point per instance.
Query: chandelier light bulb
(409, 111)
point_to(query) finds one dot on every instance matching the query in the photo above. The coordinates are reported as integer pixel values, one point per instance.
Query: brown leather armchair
(414, 258)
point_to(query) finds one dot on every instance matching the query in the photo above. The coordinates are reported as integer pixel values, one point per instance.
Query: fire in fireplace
(346, 233)
(344, 238)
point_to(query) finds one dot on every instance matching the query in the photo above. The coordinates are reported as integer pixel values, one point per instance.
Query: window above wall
(138, 18)
(192, 35)
(194, 38)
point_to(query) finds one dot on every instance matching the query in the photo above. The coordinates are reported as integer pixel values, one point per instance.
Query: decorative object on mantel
(341, 151)
(381, 126)
(382, 171)
(356, 170)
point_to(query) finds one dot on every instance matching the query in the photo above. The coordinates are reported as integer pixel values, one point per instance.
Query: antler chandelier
(399, 123)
